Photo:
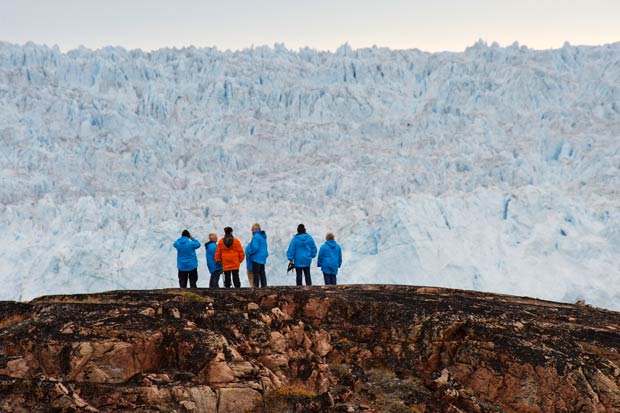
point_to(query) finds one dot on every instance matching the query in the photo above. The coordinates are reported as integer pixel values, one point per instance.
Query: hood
(183, 240)
(209, 243)
(331, 243)
(303, 236)
(262, 234)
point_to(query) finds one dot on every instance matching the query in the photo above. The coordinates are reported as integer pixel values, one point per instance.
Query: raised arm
(290, 253)
(319, 261)
(218, 253)
(312, 248)
(240, 250)
(253, 246)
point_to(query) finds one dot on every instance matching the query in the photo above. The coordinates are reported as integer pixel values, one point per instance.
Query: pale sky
(430, 25)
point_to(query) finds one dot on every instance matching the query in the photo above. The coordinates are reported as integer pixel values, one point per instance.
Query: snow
(495, 169)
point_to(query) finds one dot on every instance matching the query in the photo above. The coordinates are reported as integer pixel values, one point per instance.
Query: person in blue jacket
(187, 262)
(248, 264)
(330, 259)
(257, 253)
(214, 268)
(301, 251)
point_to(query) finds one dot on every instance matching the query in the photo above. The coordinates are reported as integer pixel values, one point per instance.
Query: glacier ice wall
(494, 169)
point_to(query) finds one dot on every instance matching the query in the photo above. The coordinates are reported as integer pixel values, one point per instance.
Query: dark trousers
(235, 278)
(214, 281)
(306, 272)
(260, 278)
(330, 279)
(192, 275)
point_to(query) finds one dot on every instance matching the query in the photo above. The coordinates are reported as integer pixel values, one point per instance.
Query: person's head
(255, 227)
(228, 231)
(213, 237)
(186, 233)
(329, 236)
(301, 229)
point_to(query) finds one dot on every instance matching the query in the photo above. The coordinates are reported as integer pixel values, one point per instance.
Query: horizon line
(282, 45)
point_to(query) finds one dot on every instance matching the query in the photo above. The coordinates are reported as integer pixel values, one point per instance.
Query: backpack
(228, 240)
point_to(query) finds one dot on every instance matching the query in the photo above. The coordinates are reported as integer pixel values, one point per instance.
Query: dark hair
(228, 230)
(301, 229)
(185, 233)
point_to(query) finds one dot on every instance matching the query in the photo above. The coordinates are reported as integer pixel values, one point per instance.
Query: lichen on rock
(344, 348)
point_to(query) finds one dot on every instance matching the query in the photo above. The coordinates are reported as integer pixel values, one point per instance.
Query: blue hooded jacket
(186, 253)
(301, 250)
(248, 261)
(257, 248)
(330, 257)
(210, 247)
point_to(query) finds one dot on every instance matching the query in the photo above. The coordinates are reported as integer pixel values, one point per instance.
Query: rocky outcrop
(319, 349)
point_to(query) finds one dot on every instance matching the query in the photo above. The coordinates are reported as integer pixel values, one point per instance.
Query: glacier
(493, 169)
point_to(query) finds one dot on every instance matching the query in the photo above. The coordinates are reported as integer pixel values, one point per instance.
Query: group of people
(226, 255)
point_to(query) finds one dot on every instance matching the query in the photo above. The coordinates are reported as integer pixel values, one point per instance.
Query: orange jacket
(231, 258)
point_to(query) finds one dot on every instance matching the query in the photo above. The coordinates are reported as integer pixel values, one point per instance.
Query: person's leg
(326, 278)
(307, 275)
(250, 278)
(298, 272)
(227, 278)
(263, 276)
(255, 276)
(333, 279)
(183, 279)
(193, 278)
(236, 280)
(259, 274)
(214, 281)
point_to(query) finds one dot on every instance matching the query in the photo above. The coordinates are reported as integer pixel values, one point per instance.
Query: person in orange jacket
(230, 254)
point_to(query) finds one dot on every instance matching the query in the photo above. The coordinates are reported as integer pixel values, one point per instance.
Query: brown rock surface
(320, 349)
